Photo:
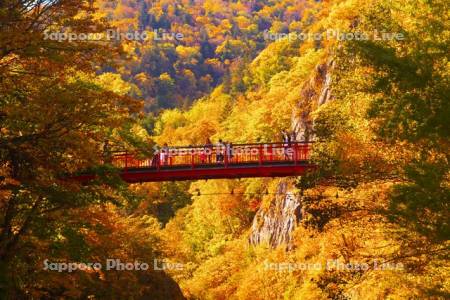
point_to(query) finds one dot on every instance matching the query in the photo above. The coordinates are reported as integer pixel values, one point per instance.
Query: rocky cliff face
(314, 93)
(274, 226)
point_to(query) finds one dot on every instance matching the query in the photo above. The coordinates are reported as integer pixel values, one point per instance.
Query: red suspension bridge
(213, 162)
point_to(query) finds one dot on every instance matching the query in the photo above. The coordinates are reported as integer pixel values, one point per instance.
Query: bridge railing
(214, 155)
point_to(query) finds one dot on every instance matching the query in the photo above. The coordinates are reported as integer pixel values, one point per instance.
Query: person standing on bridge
(208, 149)
(285, 137)
(293, 136)
(220, 151)
(293, 140)
(156, 158)
(229, 150)
(165, 154)
(107, 155)
(287, 143)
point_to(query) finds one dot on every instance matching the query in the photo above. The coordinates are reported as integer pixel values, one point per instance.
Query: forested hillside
(216, 38)
(367, 81)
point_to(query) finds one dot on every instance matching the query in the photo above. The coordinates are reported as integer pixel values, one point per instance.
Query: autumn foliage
(377, 109)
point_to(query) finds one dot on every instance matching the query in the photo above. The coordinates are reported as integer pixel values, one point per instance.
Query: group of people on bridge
(223, 151)
(288, 137)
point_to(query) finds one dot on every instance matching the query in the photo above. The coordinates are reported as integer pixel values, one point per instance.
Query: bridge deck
(213, 162)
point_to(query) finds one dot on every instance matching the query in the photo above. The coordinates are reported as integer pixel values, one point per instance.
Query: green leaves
(412, 81)
(410, 106)
(423, 204)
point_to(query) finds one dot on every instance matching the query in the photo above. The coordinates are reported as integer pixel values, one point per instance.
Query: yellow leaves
(243, 22)
(210, 232)
(174, 243)
(213, 6)
(295, 27)
(202, 20)
(230, 49)
(203, 228)
(216, 277)
(269, 110)
(345, 12)
(166, 77)
(114, 83)
(239, 272)
(142, 77)
(193, 126)
(187, 53)
(226, 25)
(278, 27)
(123, 230)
